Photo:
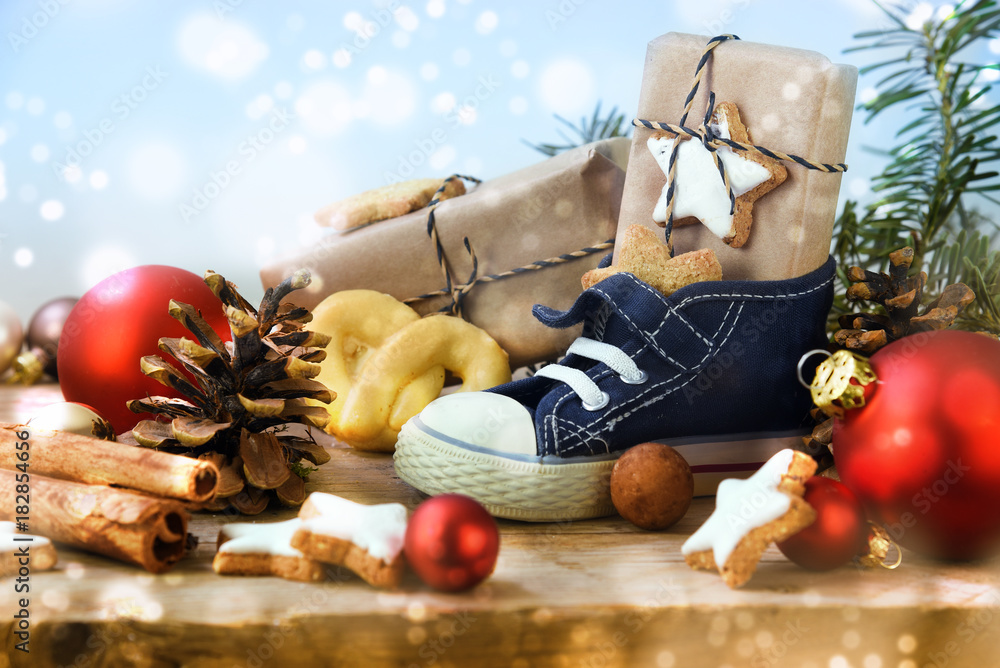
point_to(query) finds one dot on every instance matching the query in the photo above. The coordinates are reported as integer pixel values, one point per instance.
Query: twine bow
(712, 141)
(458, 291)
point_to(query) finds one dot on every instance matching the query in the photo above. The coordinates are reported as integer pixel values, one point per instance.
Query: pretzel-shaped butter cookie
(386, 363)
(358, 323)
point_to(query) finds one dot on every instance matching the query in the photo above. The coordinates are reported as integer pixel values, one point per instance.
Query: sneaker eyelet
(638, 380)
(605, 398)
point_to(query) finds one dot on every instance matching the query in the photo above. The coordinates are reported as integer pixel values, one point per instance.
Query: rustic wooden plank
(18, 403)
(591, 593)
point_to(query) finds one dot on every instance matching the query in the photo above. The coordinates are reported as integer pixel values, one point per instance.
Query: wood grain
(591, 593)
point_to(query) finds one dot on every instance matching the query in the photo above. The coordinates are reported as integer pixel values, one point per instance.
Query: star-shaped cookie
(367, 540)
(699, 190)
(642, 254)
(247, 548)
(386, 202)
(751, 514)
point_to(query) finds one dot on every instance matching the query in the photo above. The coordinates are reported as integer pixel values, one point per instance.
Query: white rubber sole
(507, 488)
(535, 492)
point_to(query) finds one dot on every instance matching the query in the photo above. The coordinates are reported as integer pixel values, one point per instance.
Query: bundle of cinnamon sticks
(123, 502)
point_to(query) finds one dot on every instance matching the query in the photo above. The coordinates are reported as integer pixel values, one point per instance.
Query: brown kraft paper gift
(791, 100)
(554, 207)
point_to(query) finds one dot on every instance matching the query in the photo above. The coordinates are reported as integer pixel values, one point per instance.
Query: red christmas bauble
(923, 454)
(118, 322)
(839, 532)
(452, 542)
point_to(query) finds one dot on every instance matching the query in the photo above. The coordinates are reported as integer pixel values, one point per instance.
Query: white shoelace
(592, 397)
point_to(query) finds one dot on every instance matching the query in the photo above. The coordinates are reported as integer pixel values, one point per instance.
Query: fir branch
(943, 158)
(301, 470)
(597, 127)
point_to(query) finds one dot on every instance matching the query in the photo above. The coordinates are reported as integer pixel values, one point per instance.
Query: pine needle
(944, 162)
(589, 130)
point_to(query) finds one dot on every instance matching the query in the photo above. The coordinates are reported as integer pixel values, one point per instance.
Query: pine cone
(822, 434)
(245, 393)
(900, 296)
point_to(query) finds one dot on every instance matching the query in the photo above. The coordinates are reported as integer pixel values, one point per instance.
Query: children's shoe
(710, 370)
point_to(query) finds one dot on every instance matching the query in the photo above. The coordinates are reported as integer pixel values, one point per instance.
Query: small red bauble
(923, 454)
(839, 532)
(452, 542)
(118, 322)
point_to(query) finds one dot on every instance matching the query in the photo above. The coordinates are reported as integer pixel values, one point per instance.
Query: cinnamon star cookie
(648, 259)
(700, 192)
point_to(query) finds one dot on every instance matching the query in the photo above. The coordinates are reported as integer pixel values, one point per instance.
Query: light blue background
(162, 95)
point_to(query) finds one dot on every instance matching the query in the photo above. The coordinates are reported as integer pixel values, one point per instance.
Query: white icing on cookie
(8, 533)
(699, 191)
(378, 529)
(265, 538)
(740, 506)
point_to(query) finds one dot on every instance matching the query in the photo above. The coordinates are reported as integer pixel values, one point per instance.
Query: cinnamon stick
(123, 525)
(91, 460)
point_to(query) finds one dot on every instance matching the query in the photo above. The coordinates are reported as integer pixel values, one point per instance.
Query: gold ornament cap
(28, 369)
(832, 390)
(879, 545)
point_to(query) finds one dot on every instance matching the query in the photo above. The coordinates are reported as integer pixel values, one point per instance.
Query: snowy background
(204, 133)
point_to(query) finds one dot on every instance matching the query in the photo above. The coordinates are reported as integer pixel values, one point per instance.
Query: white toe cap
(484, 420)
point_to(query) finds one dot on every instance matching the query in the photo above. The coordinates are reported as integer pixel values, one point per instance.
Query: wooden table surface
(590, 593)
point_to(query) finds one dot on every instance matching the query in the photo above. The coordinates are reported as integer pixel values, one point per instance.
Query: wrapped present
(794, 103)
(531, 235)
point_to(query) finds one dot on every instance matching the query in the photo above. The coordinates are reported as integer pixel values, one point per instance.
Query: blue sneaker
(710, 370)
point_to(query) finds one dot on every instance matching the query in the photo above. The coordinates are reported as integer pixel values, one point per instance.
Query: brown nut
(652, 486)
